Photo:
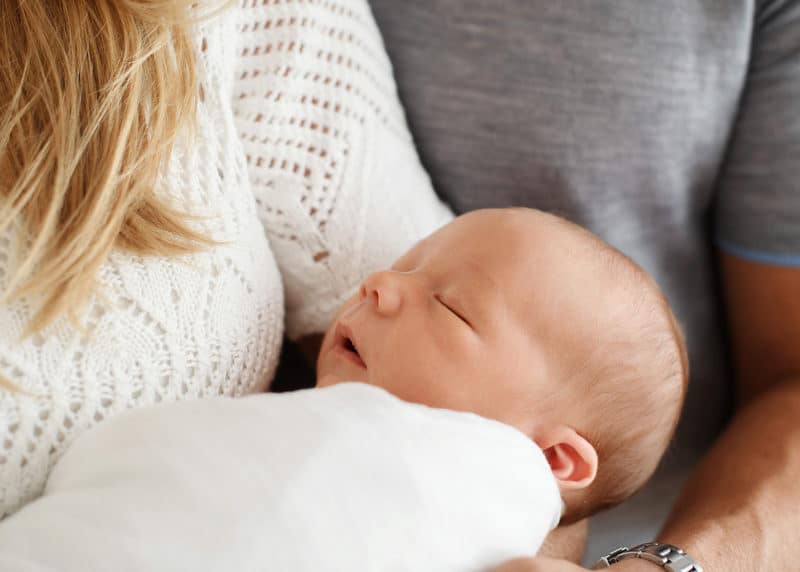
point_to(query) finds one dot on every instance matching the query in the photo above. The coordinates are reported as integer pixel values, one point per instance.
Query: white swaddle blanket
(343, 478)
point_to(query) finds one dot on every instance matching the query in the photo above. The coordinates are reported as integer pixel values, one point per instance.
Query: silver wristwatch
(668, 557)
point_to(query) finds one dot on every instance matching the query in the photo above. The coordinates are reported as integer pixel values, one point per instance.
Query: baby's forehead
(546, 243)
(557, 269)
(525, 247)
(531, 229)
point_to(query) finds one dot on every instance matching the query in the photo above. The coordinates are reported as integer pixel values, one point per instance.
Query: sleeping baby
(525, 318)
(509, 372)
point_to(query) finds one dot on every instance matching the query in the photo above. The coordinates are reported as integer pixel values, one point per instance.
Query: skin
(454, 325)
(446, 307)
(737, 516)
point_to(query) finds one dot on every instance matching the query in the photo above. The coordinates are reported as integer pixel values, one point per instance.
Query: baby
(525, 318)
(513, 369)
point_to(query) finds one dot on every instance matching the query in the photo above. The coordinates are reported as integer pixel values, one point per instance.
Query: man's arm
(738, 511)
(567, 542)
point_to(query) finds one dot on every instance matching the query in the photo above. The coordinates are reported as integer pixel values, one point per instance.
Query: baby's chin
(330, 378)
(327, 380)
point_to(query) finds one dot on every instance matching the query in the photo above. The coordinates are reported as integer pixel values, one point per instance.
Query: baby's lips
(344, 334)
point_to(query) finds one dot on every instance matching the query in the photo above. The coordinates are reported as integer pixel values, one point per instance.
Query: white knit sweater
(300, 134)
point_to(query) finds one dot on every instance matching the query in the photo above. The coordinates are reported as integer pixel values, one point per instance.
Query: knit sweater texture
(301, 168)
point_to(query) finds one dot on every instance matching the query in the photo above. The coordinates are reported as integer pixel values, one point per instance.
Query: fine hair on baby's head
(634, 376)
(523, 317)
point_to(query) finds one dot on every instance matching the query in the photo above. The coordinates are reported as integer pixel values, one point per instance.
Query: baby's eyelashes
(457, 313)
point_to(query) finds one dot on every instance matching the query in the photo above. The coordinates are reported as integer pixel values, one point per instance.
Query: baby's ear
(572, 458)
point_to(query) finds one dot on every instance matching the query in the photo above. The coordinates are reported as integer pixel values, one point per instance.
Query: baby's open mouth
(347, 346)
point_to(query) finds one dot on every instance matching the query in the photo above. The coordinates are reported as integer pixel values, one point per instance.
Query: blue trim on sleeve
(792, 260)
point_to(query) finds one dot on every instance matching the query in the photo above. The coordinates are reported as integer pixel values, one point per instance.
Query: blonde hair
(92, 97)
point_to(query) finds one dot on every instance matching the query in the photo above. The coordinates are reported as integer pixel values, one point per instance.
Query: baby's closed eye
(451, 306)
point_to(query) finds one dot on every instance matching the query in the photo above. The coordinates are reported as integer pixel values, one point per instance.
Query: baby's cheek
(420, 376)
(459, 348)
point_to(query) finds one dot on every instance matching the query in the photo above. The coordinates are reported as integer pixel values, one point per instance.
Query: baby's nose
(384, 291)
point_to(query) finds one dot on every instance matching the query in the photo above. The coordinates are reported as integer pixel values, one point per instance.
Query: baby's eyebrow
(477, 269)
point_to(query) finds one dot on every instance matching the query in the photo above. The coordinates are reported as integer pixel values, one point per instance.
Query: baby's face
(466, 320)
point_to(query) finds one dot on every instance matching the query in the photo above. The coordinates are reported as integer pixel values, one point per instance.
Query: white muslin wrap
(347, 478)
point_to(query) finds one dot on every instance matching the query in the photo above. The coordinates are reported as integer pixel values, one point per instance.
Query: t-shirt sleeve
(757, 208)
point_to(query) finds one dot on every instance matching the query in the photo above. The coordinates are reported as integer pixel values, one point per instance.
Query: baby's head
(525, 318)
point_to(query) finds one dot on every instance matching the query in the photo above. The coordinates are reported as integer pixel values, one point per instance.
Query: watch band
(669, 557)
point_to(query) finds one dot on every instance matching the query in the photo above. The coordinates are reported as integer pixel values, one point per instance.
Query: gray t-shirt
(657, 125)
